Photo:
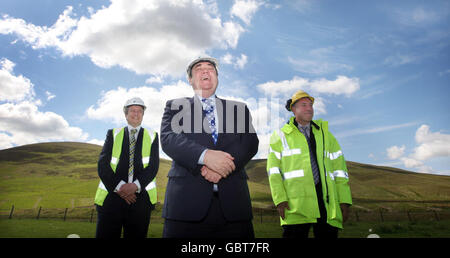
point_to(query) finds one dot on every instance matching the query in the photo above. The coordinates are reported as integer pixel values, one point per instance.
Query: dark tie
(132, 145)
(314, 167)
(209, 112)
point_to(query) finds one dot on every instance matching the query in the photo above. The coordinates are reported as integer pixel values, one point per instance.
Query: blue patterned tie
(208, 107)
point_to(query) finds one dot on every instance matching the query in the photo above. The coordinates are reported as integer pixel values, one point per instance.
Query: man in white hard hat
(127, 169)
(210, 140)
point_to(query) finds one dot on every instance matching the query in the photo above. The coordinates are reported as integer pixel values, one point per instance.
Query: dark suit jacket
(183, 138)
(111, 179)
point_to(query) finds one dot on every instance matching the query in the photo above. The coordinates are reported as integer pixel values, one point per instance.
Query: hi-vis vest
(147, 140)
(291, 178)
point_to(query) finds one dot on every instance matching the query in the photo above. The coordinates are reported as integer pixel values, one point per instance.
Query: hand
(281, 207)
(128, 192)
(210, 175)
(130, 199)
(219, 161)
(345, 209)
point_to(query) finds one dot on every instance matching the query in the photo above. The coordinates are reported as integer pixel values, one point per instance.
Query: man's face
(303, 111)
(135, 115)
(204, 79)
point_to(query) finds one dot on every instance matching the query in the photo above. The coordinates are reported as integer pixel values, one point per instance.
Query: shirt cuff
(136, 182)
(202, 157)
(119, 185)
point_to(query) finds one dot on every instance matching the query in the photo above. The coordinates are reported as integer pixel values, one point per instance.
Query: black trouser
(133, 218)
(214, 225)
(321, 229)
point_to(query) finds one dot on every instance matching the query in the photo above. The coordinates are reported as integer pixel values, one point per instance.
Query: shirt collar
(212, 98)
(131, 127)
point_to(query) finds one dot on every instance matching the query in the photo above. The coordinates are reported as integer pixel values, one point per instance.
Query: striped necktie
(132, 146)
(208, 108)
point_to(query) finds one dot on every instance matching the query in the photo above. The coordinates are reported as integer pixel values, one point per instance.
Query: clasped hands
(218, 165)
(128, 192)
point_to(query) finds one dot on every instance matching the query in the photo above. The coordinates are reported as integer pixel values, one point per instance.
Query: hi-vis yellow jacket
(147, 140)
(291, 178)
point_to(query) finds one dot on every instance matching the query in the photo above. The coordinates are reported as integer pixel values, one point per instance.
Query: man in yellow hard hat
(307, 174)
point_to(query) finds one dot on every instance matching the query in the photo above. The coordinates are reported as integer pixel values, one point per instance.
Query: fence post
(11, 213)
(409, 216)
(65, 213)
(381, 215)
(39, 212)
(357, 217)
(436, 215)
(92, 215)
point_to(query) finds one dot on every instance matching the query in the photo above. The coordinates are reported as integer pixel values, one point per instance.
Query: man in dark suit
(127, 167)
(210, 140)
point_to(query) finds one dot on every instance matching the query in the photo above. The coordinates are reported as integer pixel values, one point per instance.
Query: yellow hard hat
(299, 95)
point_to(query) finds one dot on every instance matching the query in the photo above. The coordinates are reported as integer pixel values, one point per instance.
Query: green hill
(64, 174)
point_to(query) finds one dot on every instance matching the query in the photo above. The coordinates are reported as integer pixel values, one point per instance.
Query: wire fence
(260, 215)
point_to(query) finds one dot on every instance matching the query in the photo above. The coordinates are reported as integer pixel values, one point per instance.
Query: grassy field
(56, 176)
(50, 228)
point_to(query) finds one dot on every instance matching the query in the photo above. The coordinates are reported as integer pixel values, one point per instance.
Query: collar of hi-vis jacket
(291, 125)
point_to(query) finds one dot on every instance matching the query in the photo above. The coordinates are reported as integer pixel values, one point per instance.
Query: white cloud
(40, 36)
(154, 79)
(26, 124)
(156, 37)
(237, 62)
(284, 87)
(110, 106)
(21, 122)
(395, 152)
(241, 61)
(50, 95)
(96, 142)
(430, 145)
(12, 87)
(341, 86)
(5, 141)
(245, 9)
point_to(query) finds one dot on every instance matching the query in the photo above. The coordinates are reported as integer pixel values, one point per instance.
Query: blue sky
(379, 70)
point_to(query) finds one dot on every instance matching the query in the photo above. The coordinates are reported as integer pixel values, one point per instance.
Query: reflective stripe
(277, 154)
(102, 186)
(291, 152)
(293, 174)
(114, 160)
(340, 173)
(334, 155)
(117, 131)
(151, 185)
(274, 170)
(331, 175)
(283, 140)
(145, 160)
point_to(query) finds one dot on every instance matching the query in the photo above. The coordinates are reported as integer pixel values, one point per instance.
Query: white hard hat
(134, 101)
(202, 59)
